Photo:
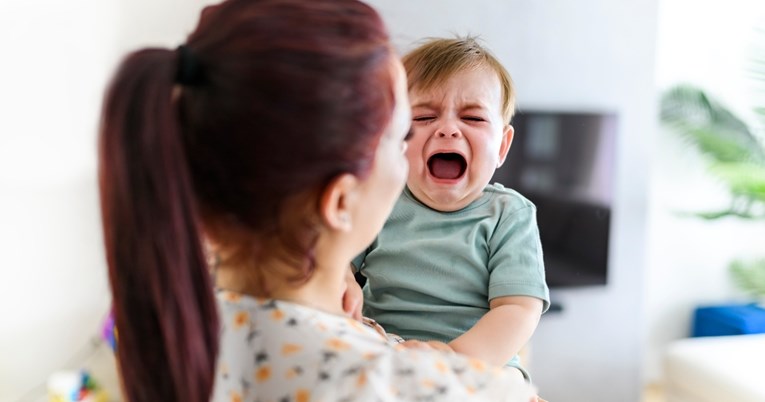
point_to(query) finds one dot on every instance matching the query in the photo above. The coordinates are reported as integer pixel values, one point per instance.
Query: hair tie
(189, 71)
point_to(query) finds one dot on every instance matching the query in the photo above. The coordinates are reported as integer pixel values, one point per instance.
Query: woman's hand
(353, 298)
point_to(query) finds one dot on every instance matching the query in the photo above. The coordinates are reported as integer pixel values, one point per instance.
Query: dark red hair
(287, 95)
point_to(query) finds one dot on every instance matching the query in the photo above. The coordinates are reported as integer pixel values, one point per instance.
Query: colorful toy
(74, 386)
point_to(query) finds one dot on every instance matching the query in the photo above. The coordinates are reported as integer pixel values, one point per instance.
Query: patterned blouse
(277, 351)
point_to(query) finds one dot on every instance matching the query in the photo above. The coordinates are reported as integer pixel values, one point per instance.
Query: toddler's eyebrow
(470, 106)
(431, 105)
(428, 105)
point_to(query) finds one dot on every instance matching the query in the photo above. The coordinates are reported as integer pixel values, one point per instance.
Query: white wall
(53, 288)
(591, 55)
(688, 258)
(56, 59)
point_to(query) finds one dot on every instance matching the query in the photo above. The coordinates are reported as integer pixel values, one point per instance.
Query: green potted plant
(734, 155)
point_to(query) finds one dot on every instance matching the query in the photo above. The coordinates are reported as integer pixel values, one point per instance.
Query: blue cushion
(732, 319)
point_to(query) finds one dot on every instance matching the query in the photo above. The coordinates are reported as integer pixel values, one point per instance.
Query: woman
(275, 138)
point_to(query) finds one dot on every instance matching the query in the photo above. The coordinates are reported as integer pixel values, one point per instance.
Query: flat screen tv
(564, 162)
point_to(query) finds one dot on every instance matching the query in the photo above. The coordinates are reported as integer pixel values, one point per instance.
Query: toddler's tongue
(446, 166)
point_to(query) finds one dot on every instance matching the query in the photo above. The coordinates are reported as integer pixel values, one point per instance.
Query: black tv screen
(564, 163)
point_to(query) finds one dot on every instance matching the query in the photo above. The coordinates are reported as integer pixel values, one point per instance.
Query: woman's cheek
(404, 171)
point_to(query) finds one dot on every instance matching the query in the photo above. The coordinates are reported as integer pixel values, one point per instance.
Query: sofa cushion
(722, 368)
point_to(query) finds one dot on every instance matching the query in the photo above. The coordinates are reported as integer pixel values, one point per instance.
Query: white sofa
(716, 369)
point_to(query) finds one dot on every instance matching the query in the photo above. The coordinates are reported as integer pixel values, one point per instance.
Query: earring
(213, 260)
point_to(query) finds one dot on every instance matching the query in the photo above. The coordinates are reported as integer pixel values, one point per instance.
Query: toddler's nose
(448, 130)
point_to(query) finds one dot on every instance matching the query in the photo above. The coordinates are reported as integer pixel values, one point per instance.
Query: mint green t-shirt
(431, 274)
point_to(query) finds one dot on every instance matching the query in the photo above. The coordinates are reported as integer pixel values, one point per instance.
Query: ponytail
(164, 305)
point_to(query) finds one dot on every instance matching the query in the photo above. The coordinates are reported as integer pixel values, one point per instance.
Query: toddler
(458, 263)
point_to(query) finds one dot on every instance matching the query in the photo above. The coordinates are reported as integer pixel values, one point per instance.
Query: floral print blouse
(277, 351)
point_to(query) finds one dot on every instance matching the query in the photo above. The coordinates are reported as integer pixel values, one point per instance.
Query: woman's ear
(504, 146)
(338, 200)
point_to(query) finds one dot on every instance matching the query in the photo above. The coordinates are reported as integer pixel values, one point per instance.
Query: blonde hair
(438, 59)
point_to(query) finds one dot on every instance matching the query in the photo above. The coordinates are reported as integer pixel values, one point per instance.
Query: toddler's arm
(503, 331)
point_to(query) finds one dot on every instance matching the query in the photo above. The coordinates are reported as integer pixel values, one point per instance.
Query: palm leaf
(709, 126)
(736, 156)
(716, 142)
(714, 215)
(743, 179)
(749, 276)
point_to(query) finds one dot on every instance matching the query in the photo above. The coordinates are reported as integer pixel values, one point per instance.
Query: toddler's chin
(445, 200)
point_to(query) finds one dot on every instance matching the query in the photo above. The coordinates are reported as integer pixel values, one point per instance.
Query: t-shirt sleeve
(516, 266)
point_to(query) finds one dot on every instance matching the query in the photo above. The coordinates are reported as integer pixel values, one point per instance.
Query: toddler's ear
(504, 146)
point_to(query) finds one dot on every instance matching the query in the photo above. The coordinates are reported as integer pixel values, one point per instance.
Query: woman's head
(277, 100)
(290, 94)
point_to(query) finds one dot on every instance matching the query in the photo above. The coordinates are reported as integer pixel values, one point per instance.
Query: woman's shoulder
(272, 350)
(283, 351)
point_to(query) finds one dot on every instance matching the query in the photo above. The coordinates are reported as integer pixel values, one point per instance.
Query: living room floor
(653, 393)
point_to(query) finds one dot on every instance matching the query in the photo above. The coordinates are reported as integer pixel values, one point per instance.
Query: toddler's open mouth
(447, 166)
